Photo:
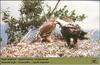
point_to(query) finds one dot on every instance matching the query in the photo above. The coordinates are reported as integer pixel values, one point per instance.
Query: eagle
(45, 30)
(71, 33)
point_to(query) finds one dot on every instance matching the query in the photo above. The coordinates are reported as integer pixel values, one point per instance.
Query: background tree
(12, 30)
(30, 16)
(65, 14)
(30, 12)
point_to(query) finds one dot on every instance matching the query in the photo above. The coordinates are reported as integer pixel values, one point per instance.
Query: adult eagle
(72, 32)
(45, 30)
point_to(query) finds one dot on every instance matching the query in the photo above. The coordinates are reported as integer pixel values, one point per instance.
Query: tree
(12, 30)
(30, 12)
(30, 15)
(65, 14)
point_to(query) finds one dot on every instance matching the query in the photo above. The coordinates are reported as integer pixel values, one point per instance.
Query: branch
(54, 8)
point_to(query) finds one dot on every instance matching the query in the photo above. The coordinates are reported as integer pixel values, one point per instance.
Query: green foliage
(12, 30)
(64, 13)
(30, 12)
(30, 15)
(6, 16)
(98, 41)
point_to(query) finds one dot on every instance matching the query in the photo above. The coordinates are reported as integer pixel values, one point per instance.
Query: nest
(54, 49)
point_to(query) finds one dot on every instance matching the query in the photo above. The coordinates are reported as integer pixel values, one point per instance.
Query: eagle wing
(46, 28)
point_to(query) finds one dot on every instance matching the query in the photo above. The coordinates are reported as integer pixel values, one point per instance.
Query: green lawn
(36, 61)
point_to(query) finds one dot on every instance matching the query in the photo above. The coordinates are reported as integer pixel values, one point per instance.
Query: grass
(76, 60)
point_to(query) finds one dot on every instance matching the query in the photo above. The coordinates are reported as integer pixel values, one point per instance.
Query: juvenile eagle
(45, 30)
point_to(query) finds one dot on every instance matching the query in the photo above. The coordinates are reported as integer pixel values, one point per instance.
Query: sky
(89, 8)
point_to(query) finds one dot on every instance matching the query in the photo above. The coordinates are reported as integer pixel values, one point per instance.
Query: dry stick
(54, 8)
(30, 30)
(44, 13)
(45, 17)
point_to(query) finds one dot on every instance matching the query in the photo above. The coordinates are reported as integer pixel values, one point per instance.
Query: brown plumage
(45, 30)
(74, 32)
